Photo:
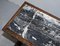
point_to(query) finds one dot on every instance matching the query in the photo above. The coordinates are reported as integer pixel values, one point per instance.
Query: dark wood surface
(18, 43)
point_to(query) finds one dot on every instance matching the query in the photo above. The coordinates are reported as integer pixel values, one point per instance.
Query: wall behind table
(51, 6)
